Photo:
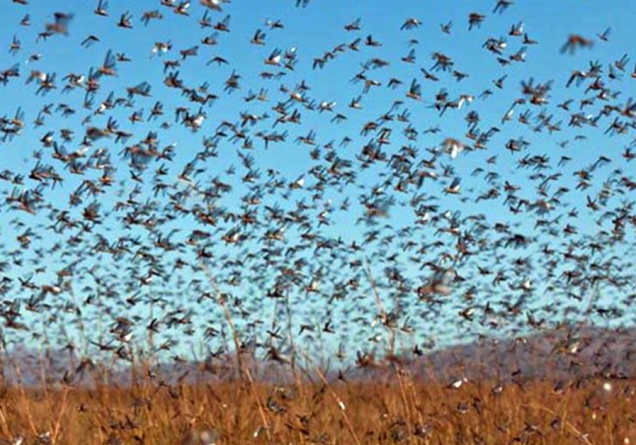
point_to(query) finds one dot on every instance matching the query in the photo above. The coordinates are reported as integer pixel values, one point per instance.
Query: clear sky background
(312, 31)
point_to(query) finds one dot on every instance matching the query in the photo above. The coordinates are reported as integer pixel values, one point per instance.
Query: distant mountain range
(549, 354)
(584, 351)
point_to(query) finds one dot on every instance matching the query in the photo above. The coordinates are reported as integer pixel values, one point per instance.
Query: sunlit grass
(392, 408)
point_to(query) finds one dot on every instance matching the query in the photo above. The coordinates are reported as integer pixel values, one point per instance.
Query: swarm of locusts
(312, 223)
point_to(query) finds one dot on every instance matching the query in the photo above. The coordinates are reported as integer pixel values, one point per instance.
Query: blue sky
(312, 31)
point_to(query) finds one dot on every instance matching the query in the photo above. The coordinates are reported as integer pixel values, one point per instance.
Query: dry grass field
(390, 409)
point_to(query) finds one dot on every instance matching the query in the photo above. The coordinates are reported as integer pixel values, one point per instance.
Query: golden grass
(390, 410)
